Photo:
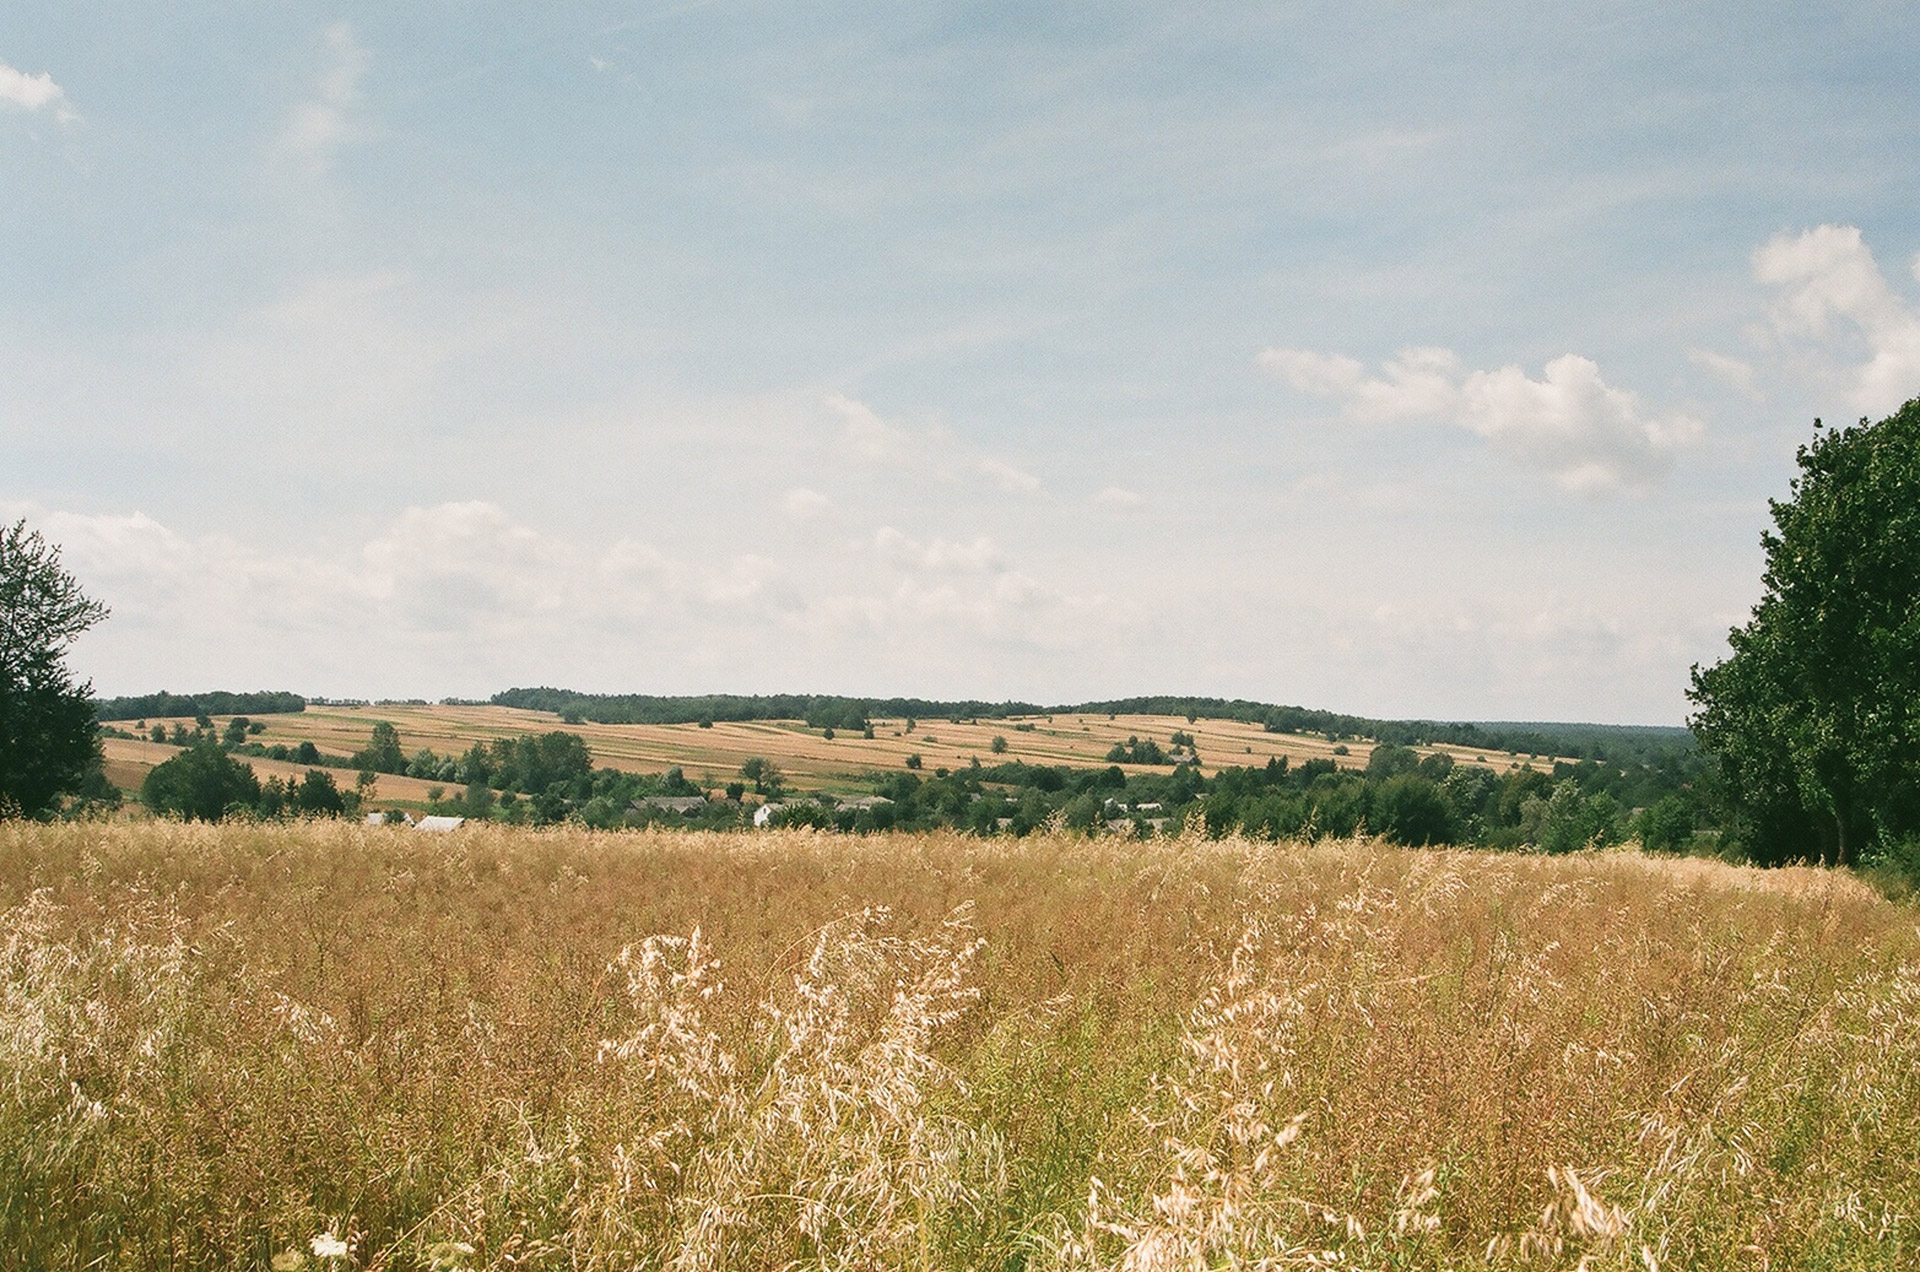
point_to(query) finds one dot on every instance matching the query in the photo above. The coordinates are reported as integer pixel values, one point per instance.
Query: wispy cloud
(1829, 280)
(1588, 435)
(1730, 370)
(864, 435)
(1010, 478)
(325, 121)
(34, 93)
(868, 437)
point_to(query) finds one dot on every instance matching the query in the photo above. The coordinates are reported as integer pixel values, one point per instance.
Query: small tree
(767, 780)
(382, 753)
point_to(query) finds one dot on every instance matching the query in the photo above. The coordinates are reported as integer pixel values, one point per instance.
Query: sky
(1406, 360)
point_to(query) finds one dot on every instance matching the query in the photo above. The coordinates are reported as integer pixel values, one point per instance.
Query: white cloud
(1119, 497)
(940, 556)
(868, 437)
(865, 435)
(354, 355)
(464, 598)
(1591, 437)
(1009, 478)
(34, 93)
(803, 504)
(1828, 273)
(324, 122)
(1730, 370)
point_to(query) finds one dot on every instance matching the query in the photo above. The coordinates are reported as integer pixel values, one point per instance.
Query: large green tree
(1815, 715)
(48, 736)
(202, 783)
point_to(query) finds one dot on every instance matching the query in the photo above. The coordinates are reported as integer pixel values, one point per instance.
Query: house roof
(676, 803)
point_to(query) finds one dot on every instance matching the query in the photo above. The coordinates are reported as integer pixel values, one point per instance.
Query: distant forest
(168, 706)
(1616, 744)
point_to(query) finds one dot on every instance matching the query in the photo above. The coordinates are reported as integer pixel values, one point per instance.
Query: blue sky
(1408, 360)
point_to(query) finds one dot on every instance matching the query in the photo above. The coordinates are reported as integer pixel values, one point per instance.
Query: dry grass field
(338, 1046)
(714, 755)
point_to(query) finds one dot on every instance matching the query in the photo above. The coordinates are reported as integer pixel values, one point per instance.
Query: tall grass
(330, 1046)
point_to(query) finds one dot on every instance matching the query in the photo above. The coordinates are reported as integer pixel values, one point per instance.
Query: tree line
(1626, 744)
(214, 702)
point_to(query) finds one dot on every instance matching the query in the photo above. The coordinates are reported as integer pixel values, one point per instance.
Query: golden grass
(715, 754)
(563, 1049)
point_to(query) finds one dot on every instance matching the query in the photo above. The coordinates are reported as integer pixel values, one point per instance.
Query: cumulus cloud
(34, 93)
(940, 556)
(1833, 295)
(1588, 435)
(460, 597)
(324, 122)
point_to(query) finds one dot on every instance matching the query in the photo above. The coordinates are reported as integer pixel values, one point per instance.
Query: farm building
(685, 805)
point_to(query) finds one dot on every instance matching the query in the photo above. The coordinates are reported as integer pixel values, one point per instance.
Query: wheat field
(332, 1046)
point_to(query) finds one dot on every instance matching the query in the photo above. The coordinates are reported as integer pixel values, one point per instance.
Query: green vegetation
(204, 783)
(1815, 716)
(167, 706)
(49, 739)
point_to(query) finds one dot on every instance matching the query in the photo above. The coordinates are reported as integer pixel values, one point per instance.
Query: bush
(1666, 826)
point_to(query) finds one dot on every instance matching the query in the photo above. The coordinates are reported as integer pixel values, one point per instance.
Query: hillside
(712, 755)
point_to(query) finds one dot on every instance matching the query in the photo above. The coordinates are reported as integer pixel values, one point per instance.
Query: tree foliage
(164, 705)
(202, 783)
(48, 737)
(382, 753)
(1815, 715)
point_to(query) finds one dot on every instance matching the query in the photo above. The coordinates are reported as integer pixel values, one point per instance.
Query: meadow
(328, 1045)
